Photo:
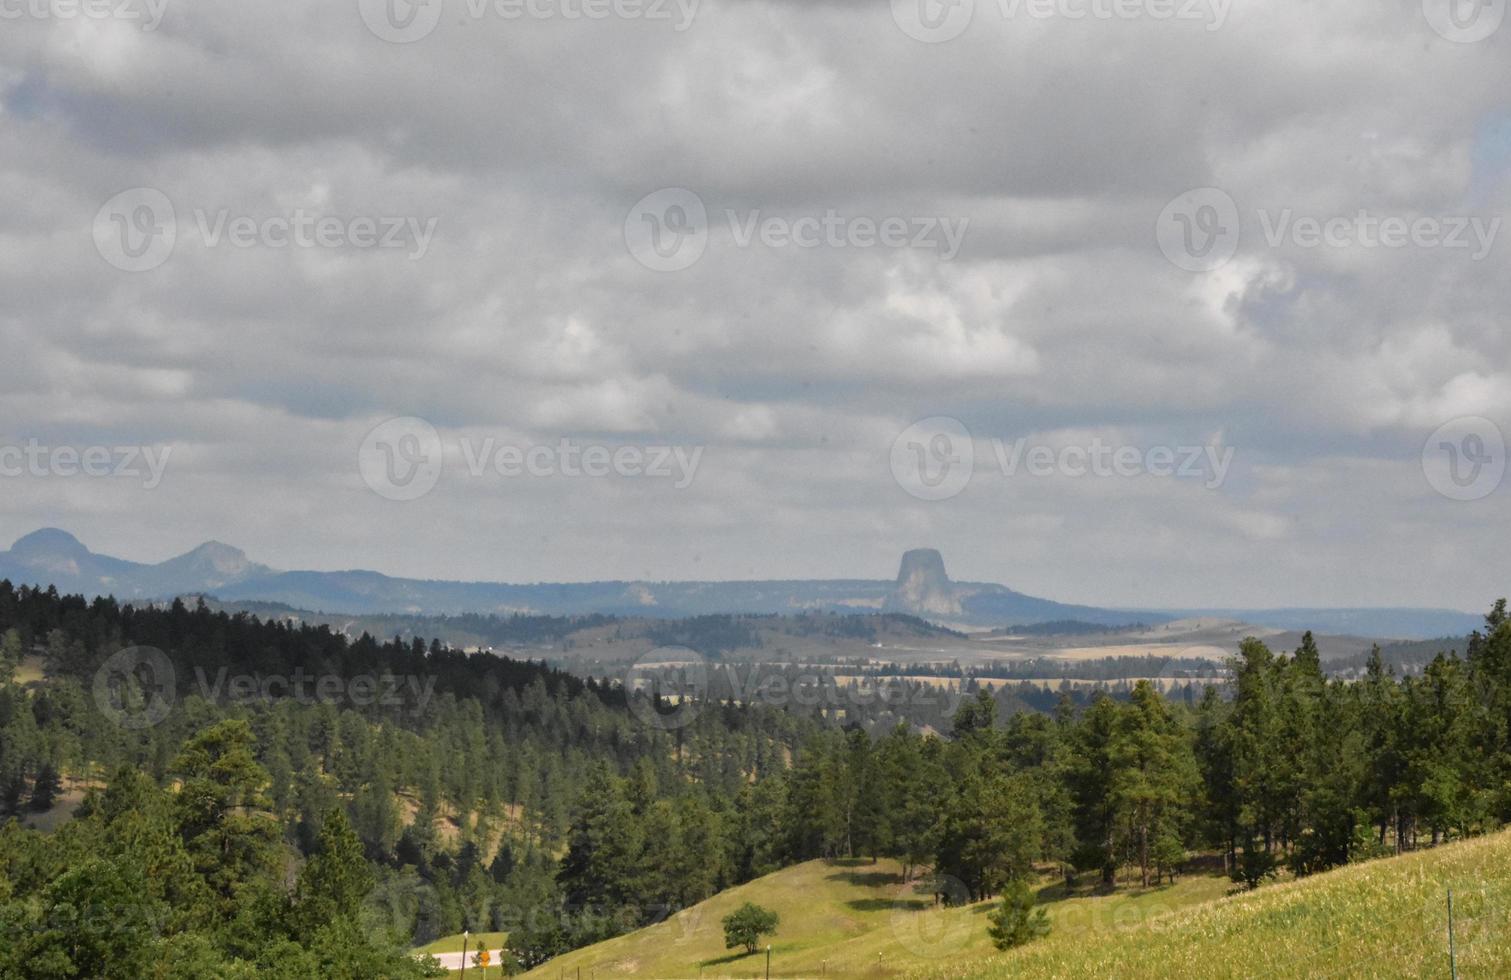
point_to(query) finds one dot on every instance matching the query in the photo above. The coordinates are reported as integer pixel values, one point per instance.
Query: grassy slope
(853, 919)
(1383, 918)
(453, 944)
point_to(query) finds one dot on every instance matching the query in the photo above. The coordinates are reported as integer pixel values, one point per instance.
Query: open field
(1206, 650)
(606, 651)
(1384, 918)
(31, 669)
(453, 944)
(849, 919)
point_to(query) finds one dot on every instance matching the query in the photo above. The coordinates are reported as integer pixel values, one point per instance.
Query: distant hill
(922, 588)
(54, 557)
(1414, 624)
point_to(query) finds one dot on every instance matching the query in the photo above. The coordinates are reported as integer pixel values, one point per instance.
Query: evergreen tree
(1015, 920)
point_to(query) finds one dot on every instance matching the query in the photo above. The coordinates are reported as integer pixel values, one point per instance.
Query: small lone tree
(747, 924)
(1015, 921)
(1167, 853)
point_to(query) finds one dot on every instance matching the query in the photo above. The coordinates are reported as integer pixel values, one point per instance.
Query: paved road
(453, 961)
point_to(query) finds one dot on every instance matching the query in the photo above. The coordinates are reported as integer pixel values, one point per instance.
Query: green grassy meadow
(1385, 918)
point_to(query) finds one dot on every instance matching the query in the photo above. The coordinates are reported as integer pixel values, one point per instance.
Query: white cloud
(1325, 369)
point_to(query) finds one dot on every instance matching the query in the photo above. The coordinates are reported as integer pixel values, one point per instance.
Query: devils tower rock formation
(923, 588)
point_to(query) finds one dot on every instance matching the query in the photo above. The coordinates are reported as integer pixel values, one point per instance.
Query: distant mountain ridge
(922, 588)
(54, 557)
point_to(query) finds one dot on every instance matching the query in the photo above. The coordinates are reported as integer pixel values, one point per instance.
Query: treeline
(1282, 768)
(487, 793)
(458, 775)
(458, 630)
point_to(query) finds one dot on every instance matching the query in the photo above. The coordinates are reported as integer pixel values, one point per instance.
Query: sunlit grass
(1385, 918)
(847, 919)
(478, 940)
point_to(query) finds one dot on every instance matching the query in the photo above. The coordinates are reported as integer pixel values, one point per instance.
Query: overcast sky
(773, 235)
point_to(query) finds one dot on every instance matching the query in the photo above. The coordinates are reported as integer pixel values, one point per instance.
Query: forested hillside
(260, 797)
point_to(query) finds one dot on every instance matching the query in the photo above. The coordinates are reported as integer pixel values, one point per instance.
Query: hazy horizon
(758, 289)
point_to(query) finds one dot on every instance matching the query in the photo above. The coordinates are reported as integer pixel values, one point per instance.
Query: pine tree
(335, 880)
(1015, 920)
(1090, 774)
(603, 864)
(1154, 774)
(221, 812)
(45, 788)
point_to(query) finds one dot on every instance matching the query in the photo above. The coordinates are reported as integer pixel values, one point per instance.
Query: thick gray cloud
(522, 316)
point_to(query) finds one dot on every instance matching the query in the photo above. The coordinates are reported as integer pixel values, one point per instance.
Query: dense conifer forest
(273, 799)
